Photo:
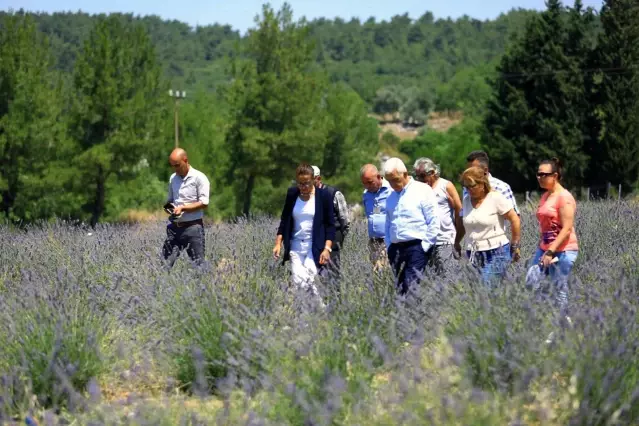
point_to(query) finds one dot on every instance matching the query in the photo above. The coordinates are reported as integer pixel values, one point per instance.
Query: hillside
(439, 60)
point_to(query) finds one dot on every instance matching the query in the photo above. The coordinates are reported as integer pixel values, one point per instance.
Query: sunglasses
(542, 174)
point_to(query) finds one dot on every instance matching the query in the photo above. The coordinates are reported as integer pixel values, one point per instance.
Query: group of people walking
(417, 222)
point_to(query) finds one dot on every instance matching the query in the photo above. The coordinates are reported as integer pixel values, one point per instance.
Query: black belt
(377, 240)
(188, 223)
(408, 243)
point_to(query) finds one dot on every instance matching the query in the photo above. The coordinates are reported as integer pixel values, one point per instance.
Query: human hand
(457, 250)
(325, 257)
(178, 210)
(276, 251)
(546, 260)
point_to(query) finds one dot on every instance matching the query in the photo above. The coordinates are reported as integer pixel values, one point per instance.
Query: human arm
(455, 203)
(429, 210)
(515, 229)
(203, 190)
(329, 226)
(342, 213)
(567, 218)
(286, 213)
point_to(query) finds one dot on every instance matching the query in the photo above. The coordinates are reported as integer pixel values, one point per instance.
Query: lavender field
(94, 330)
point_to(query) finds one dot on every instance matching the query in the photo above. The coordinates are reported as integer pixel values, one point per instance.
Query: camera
(170, 209)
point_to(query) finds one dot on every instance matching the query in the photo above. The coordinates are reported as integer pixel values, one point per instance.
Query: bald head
(179, 161)
(371, 179)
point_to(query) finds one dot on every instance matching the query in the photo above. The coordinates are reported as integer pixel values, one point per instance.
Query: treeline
(92, 142)
(87, 137)
(401, 65)
(567, 86)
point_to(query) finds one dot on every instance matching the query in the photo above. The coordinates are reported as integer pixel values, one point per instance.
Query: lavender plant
(95, 330)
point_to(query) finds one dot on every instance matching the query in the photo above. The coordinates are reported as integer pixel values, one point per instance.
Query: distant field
(93, 331)
(437, 121)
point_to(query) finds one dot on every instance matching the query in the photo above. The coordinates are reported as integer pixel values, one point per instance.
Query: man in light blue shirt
(374, 200)
(412, 224)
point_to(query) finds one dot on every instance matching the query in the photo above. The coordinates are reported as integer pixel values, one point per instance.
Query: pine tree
(31, 128)
(614, 141)
(117, 107)
(275, 105)
(539, 107)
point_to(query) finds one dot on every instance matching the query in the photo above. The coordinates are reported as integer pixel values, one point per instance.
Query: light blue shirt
(375, 209)
(411, 214)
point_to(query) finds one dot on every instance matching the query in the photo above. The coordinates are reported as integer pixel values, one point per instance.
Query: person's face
(305, 184)
(179, 165)
(397, 180)
(475, 189)
(426, 177)
(476, 163)
(318, 180)
(546, 177)
(372, 181)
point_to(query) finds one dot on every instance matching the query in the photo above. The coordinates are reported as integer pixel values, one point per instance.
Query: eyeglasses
(305, 184)
(469, 185)
(542, 174)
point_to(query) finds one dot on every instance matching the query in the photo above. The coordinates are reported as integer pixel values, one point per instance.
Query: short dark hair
(480, 156)
(304, 169)
(556, 166)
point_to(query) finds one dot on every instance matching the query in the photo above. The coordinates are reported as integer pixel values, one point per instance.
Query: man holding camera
(187, 199)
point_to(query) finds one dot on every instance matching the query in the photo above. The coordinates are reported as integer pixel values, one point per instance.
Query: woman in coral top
(558, 247)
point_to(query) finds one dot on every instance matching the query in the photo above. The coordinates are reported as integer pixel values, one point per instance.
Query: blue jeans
(558, 273)
(491, 264)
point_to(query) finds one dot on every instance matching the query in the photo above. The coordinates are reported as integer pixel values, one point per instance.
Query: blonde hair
(476, 176)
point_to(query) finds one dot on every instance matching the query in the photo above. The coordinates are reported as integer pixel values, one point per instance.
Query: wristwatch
(549, 253)
(329, 249)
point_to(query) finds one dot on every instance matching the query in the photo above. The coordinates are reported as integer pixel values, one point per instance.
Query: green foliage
(116, 107)
(351, 140)
(31, 125)
(614, 135)
(446, 149)
(540, 108)
(51, 350)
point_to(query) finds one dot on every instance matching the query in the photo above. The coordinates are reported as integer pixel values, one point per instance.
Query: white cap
(316, 171)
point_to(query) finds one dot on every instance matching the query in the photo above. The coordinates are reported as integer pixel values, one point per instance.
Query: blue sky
(240, 13)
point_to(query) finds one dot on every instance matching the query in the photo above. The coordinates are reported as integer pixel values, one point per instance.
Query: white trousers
(303, 266)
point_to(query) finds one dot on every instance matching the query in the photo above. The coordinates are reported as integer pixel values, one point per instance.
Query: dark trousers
(408, 261)
(189, 237)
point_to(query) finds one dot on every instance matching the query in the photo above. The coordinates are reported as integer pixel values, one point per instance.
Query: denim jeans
(558, 273)
(491, 264)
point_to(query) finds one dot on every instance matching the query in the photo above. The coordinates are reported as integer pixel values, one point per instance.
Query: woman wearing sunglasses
(307, 229)
(558, 247)
(484, 212)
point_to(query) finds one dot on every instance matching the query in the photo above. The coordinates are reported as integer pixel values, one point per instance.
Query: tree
(274, 104)
(539, 107)
(117, 108)
(614, 141)
(351, 140)
(31, 127)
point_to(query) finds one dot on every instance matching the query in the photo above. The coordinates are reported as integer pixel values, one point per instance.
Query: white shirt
(446, 213)
(189, 189)
(485, 224)
(303, 214)
(411, 214)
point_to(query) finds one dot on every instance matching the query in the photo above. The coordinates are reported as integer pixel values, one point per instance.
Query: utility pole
(177, 95)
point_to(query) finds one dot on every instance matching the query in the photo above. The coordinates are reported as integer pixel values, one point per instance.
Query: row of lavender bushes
(94, 330)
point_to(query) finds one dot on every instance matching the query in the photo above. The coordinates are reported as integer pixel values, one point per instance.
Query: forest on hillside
(86, 120)
(415, 65)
